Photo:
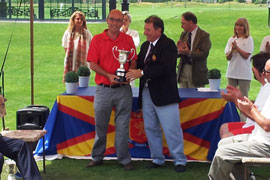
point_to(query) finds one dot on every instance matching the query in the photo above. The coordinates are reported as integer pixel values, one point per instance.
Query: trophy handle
(132, 49)
(114, 48)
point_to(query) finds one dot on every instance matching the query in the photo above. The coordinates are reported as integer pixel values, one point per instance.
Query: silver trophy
(122, 59)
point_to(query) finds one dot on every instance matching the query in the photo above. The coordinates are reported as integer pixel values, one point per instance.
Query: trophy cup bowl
(122, 59)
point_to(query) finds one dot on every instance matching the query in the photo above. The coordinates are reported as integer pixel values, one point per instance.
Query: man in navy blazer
(158, 94)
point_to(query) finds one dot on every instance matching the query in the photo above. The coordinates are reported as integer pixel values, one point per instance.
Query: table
(71, 126)
(29, 136)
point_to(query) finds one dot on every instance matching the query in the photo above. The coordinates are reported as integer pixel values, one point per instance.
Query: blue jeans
(168, 117)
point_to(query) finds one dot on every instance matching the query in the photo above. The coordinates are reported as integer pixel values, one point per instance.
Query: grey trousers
(226, 163)
(105, 99)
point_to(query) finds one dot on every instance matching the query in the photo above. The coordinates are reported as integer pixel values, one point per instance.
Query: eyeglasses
(115, 20)
(265, 71)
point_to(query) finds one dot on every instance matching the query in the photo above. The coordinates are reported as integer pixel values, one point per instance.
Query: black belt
(112, 86)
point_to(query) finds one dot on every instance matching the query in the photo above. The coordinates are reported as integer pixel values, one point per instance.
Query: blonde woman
(238, 53)
(76, 41)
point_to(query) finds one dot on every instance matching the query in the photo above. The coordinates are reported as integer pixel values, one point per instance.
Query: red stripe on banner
(76, 114)
(196, 140)
(202, 119)
(109, 151)
(88, 98)
(130, 145)
(190, 158)
(166, 151)
(81, 116)
(75, 140)
(188, 102)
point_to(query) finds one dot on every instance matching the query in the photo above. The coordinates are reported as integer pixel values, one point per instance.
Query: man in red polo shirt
(110, 92)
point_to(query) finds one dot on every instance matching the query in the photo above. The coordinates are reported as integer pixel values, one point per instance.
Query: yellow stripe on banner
(111, 122)
(79, 104)
(195, 151)
(110, 140)
(81, 149)
(201, 109)
(84, 148)
(191, 149)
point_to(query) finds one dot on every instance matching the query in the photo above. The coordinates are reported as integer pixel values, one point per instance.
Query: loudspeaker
(32, 117)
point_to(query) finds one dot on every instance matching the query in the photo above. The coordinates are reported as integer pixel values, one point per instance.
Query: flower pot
(214, 84)
(71, 88)
(83, 81)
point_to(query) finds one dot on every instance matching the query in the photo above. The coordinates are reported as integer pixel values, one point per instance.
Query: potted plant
(71, 80)
(214, 76)
(84, 74)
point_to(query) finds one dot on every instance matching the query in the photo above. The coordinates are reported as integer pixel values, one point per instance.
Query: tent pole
(32, 50)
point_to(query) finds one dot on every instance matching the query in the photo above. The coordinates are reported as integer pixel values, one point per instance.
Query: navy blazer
(160, 72)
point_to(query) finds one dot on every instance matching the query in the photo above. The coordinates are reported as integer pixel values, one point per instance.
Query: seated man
(226, 162)
(18, 151)
(235, 128)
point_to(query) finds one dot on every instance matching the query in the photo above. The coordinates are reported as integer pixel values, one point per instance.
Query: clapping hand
(183, 47)
(232, 94)
(245, 106)
(234, 46)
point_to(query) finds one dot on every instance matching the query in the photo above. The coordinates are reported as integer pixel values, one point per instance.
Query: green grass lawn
(217, 19)
(71, 169)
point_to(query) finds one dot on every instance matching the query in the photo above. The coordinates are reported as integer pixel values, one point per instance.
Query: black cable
(2, 90)
(10, 39)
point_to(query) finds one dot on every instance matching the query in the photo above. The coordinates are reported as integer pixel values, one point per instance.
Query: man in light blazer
(158, 94)
(193, 49)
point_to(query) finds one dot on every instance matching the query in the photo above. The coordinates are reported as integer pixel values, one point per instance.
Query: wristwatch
(142, 72)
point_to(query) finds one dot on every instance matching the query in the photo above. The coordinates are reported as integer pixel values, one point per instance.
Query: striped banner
(71, 130)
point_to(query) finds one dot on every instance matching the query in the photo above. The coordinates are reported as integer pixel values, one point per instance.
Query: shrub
(83, 71)
(214, 74)
(71, 77)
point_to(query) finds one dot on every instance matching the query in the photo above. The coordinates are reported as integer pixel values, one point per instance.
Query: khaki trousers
(244, 86)
(186, 77)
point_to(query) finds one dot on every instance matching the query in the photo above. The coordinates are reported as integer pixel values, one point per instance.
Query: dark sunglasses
(266, 71)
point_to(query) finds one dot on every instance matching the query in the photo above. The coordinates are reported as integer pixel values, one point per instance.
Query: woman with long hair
(238, 52)
(76, 41)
